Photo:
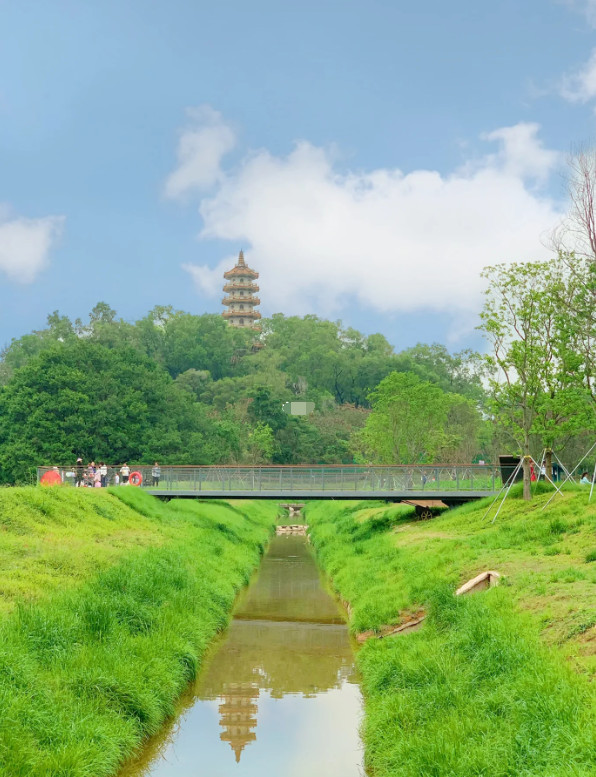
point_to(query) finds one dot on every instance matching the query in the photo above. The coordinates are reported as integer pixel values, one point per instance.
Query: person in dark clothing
(79, 471)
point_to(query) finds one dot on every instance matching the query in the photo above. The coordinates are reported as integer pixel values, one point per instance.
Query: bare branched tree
(576, 234)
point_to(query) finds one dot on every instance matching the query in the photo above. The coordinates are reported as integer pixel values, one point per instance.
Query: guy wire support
(505, 487)
(570, 475)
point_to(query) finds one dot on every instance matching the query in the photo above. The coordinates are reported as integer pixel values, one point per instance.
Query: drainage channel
(279, 694)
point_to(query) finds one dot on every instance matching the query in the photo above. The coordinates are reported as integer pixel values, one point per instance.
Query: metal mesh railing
(304, 479)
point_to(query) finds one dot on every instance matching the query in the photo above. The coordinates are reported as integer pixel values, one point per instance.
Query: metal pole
(547, 477)
(517, 469)
(503, 487)
(592, 486)
(570, 475)
(560, 463)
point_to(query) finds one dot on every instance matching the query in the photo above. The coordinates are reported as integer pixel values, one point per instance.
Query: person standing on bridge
(155, 475)
(79, 471)
(125, 472)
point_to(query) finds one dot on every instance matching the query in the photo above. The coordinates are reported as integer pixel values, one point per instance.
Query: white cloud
(324, 240)
(522, 154)
(581, 85)
(201, 149)
(25, 244)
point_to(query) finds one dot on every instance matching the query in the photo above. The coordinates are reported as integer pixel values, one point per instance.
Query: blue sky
(370, 157)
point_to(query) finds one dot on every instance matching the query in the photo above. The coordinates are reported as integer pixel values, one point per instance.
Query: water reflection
(278, 696)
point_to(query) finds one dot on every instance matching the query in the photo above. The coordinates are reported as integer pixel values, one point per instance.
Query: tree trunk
(526, 470)
(548, 463)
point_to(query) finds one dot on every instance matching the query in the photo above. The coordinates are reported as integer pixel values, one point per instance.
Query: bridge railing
(310, 479)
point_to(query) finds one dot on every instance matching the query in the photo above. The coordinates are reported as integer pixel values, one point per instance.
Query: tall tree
(407, 422)
(82, 398)
(533, 391)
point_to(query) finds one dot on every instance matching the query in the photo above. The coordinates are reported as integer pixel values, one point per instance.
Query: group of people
(100, 475)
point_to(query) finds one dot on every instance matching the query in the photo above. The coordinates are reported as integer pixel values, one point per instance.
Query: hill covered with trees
(183, 388)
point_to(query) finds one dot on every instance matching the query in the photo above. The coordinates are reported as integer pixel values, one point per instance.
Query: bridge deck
(448, 497)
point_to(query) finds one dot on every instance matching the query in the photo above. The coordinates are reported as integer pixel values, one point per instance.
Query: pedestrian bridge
(451, 484)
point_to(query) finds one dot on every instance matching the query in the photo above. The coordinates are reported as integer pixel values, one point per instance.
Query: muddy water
(279, 694)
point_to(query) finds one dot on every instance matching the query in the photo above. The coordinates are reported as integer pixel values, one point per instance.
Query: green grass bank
(107, 604)
(498, 683)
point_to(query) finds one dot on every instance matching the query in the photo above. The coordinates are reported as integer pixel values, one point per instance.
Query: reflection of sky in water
(296, 736)
(278, 696)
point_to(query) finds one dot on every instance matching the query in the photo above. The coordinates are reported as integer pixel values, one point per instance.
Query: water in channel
(279, 695)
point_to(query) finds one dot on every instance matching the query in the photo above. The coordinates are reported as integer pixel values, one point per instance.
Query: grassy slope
(109, 609)
(476, 691)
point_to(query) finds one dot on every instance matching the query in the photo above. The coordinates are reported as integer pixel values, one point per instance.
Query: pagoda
(240, 302)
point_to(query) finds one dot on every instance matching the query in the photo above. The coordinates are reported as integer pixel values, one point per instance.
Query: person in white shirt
(155, 474)
(125, 472)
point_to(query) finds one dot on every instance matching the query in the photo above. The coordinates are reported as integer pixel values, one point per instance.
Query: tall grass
(88, 673)
(474, 691)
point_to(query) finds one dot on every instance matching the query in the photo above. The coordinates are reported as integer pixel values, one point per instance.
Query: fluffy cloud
(201, 148)
(384, 240)
(25, 244)
(521, 153)
(581, 85)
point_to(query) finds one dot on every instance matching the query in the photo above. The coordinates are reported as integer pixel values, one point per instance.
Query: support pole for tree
(507, 485)
(560, 463)
(515, 472)
(570, 474)
(549, 480)
(592, 486)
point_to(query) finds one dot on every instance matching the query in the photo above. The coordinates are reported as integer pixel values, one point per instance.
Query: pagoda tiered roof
(246, 300)
(245, 285)
(241, 269)
(241, 314)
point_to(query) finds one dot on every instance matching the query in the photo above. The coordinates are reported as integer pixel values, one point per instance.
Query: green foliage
(182, 388)
(111, 403)
(475, 691)
(535, 367)
(416, 421)
(454, 373)
(89, 673)
(260, 443)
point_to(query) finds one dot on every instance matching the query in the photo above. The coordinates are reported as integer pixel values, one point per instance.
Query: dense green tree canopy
(186, 388)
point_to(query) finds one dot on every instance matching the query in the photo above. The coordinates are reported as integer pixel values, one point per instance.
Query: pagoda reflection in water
(238, 715)
(287, 637)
